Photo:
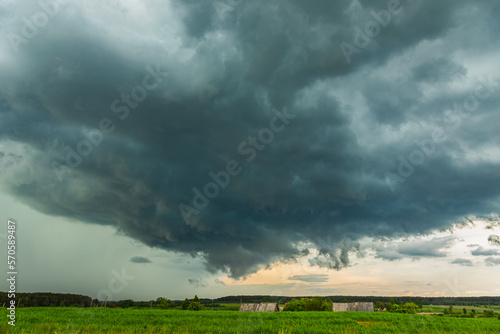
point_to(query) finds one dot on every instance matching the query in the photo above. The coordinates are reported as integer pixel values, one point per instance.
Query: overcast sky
(167, 148)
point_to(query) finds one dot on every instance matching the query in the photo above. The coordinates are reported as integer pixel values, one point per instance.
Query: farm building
(262, 307)
(359, 306)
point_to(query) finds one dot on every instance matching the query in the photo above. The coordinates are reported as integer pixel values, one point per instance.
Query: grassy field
(458, 309)
(102, 320)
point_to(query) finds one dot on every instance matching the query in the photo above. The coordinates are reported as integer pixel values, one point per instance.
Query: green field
(105, 320)
(458, 309)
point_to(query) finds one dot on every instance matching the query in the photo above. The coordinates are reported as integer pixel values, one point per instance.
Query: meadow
(149, 321)
(458, 309)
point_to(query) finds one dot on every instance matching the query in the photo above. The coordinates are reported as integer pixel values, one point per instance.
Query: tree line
(47, 299)
(463, 301)
(37, 299)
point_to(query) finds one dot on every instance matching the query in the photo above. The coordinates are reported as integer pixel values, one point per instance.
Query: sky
(229, 147)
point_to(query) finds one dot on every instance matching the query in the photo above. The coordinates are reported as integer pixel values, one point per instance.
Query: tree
(315, 304)
(196, 306)
(379, 305)
(329, 305)
(185, 304)
(163, 303)
(410, 307)
(450, 309)
(309, 304)
(296, 305)
(465, 310)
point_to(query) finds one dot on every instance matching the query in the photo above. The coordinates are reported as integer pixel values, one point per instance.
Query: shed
(262, 307)
(353, 307)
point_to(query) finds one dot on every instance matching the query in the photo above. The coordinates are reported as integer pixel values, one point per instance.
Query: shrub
(296, 305)
(196, 306)
(410, 308)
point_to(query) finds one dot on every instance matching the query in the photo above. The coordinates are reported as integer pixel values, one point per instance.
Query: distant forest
(60, 299)
(465, 301)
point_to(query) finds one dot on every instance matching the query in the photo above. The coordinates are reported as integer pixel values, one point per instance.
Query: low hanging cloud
(140, 259)
(197, 282)
(415, 249)
(492, 261)
(480, 251)
(462, 262)
(219, 282)
(236, 133)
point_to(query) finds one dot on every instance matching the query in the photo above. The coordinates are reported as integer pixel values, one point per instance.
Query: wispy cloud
(462, 262)
(492, 261)
(310, 278)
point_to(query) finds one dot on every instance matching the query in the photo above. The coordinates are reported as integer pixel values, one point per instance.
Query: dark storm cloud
(140, 259)
(309, 278)
(480, 251)
(462, 262)
(183, 88)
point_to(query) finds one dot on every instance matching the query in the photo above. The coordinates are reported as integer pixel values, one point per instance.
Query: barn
(355, 307)
(262, 307)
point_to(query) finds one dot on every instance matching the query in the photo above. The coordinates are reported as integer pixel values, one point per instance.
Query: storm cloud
(235, 131)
